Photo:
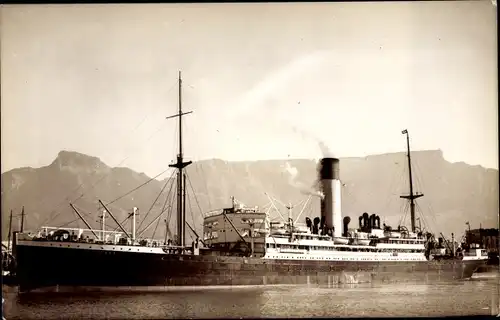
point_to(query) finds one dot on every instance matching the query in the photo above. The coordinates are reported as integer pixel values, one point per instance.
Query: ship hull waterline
(39, 267)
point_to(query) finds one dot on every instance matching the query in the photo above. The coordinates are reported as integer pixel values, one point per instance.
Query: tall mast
(411, 196)
(180, 165)
(103, 221)
(10, 231)
(22, 220)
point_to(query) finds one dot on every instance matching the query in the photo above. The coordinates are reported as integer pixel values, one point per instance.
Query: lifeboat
(279, 231)
(362, 242)
(262, 231)
(340, 240)
(301, 229)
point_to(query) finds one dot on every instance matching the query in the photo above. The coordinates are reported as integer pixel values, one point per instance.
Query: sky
(264, 81)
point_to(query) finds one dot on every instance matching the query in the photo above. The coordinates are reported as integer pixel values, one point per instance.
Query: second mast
(180, 165)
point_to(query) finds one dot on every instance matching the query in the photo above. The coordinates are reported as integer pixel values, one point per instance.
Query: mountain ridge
(435, 151)
(456, 191)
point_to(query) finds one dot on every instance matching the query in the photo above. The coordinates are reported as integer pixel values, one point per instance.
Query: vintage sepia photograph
(249, 160)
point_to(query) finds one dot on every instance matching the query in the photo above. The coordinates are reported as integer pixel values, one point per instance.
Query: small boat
(341, 240)
(362, 242)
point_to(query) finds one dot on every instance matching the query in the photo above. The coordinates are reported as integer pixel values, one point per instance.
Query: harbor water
(470, 297)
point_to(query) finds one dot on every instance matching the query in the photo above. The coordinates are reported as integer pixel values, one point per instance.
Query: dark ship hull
(45, 266)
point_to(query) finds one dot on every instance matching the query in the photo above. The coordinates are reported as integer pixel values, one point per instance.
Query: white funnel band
(337, 207)
(327, 202)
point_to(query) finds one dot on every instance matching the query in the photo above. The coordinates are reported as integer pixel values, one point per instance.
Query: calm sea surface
(473, 297)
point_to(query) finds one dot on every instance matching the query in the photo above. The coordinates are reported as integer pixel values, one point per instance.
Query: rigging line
(170, 199)
(119, 164)
(157, 219)
(45, 199)
(89, 214)
(399, 179)
(404, 180)
(154, 202)
(187, 126)
(426, 223)
(423, 217)
(390, 190)
(67, 224)
(405, 210)
(167, 199)
(57, 207)
(128, 216)
(93, 185)
(195, 197)
(421, 183)
(140, 186)
(148, 114)
(156, 227)
(169, 216)
(163, 209)
(152, 222)
(433, 216)
(124, 220)
(419, 175)
(78, 218)
(148, 181)
(205, 181)
(150, 209)
(191, 210)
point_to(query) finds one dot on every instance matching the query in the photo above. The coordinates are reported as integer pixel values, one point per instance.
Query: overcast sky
(263, 81)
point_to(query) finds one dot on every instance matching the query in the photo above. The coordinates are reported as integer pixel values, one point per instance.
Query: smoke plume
(292, 180)
(325, 151)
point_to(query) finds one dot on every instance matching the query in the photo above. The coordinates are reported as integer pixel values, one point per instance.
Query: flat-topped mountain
(454, 192)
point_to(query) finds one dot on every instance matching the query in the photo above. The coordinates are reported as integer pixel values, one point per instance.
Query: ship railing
(172, 246)
(77, 234)
(213, 213)
(291, 250)
(469, 254)
(106, 232)
(77, 229)
(243, 210)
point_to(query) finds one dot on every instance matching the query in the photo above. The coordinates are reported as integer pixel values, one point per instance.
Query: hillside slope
(454, 192)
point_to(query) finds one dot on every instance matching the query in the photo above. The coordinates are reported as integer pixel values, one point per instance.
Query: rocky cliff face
(454, 192)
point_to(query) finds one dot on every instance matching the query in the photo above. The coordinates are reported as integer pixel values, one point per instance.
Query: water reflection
(458, 298)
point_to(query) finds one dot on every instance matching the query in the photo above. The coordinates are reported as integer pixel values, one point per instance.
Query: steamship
(241, 246)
